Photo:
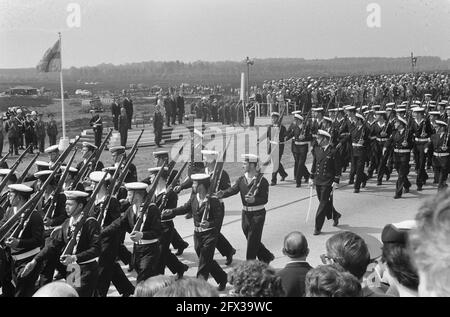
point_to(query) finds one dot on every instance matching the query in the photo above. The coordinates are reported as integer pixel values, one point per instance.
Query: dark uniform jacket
(302, 135)
(59, 214)
(293, 278)
(395, 142)
(326, 166)
(87, 248)
(52, 128)
(438, 142)
(12, 128)
(357, 134)
(243, 187)
(422, 131)
(39, 128)
(96, 123)
(98, 166)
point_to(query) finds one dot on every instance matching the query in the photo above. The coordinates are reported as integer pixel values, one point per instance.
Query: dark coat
(293, 278)
(326, 166)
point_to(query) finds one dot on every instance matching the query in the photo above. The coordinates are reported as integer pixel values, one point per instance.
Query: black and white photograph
(227, 149)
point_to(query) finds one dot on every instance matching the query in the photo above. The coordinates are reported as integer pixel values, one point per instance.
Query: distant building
(23, 91)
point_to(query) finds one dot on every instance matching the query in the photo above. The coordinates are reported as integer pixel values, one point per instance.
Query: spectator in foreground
(188, 287)
(429, 246)
(401, 273)
(350, 251)
(255, 279)
(293, 274)
(56, 289)
(331, 281)
(153, 285)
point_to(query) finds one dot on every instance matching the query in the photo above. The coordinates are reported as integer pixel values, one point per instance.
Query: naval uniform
(381, 132)
(326, 169)
(205, 239)
(422, 131)
(441, 158)
(253, 215)
(301, 137)
(276, 136)
(360, 141)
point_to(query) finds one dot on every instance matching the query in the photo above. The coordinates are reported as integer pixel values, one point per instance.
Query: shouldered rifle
(4, 158)
(58, 189)
(172, 185)
(25, 171)
(82, 172)
(68, 250)
(150, 192)
(124, 172)
(26, 209)
(98, 152)
(109, 193)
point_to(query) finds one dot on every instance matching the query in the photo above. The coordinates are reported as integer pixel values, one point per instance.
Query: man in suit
(52, 129)
(180, 108)
(39, 128)
(115, 112)
(325, 174)
(173, 108)
(276, 135)
(12, 130)
(128, 105)
(293, 274)
(158, 122)
(167, 109)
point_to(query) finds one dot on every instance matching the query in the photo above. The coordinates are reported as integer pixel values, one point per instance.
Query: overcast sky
(122, 31)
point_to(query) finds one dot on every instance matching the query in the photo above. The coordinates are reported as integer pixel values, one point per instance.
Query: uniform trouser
(110, 271)
(41, 143)
(401, 162)
(146, 260)
(358, 170)
(20, 139)
(88, 279)
(1, 143)
(116, 123)
(174, 117)
(223, 245)
(49, 265)
(52, 139)
(98, 138)
(440, 166)
(421, 164)
(280, 165)
(123, 137)
(180, 117)
(158, 136)
(168, 114)
(252, 120)
(13, 145)
(374, 158)
(29, 141)
(300, 169)
(205, 245)
(430, 155)
(168, 258)
(120, 280)
(15, 286)
(252, 226)
(326, 208)
(177, 240)
(382, 165)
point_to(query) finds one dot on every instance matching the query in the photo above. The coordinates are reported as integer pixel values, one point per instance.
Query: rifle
(4, 158)
(109, 193)
(99, 152)
(58, 189)
(25, 171)
(150, 192)
(172, 186)
(13, 169)
(68, 250)
(26, 210)
(82, 172)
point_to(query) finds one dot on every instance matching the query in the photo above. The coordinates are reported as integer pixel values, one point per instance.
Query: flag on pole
(51, 62)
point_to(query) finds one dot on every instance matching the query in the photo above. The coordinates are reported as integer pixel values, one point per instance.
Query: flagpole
(62, 89)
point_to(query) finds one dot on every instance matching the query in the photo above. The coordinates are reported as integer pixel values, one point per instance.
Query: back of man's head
(56, 289)
(188, 287)
(152, 285)
(350, 251)
(429, 246)
(295, 245)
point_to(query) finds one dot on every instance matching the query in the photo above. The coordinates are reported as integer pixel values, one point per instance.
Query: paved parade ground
(365, 213)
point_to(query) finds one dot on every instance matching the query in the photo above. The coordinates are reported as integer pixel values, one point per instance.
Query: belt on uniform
(89, 261)
(200, 229)
(147, 241)
(441, 154)
(382, 139)
(402, 151)
(21, 256)
(357, 144)
(301, 143)
(253, 208)
(422, 140)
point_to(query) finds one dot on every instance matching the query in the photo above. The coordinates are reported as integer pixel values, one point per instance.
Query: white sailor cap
(405, 102)
(275, 114)
(160, 153)
(390, 104)
(21, 188)
(75, 194)
(297, 116)
(364, 107)
(360, 116)
(97, 176)
(417, 102)
(333, 110)
(4, 171)
(376, 107)
(428, 95)
(210, 152)
(324, 133)
(390, 109)
(42, 165)
(418, 109)
(434, 113)
(117, 149)
(154, 170)
(380, 112)
(52, 149)
(252, 158)
(135, 186)
(443, 103)
(200, 177)
(401, 106)
(447, 108)
(368, 111)
(296, 112)
(317, 109)
(71, 169)
(432, 102)
(441, 123)
(400, 110)
(328, 119)
(402, 120)
(43, 174)
(90, 146)
(349, 108)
